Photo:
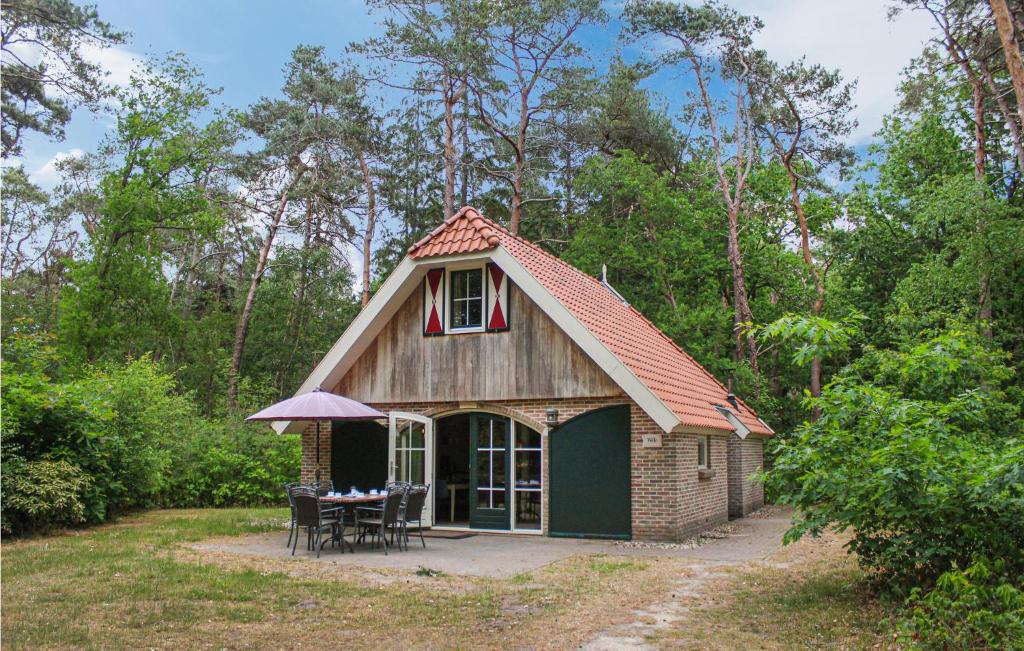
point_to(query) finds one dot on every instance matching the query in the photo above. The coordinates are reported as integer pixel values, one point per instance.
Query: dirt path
(750, 541)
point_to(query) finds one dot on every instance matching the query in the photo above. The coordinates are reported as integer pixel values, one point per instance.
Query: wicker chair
(291, 504)
(317, 521)
(390, 487)
(378, 522)
(412, 513)
(323, 486)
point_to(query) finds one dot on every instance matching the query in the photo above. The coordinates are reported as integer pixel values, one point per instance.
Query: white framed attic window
(466, 300)
(703, 452)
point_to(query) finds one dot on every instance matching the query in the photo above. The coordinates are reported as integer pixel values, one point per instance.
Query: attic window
(741, 429)
(467, 299)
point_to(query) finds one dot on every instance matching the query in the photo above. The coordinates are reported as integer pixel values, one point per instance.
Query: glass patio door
(489, 472)
(411, 453)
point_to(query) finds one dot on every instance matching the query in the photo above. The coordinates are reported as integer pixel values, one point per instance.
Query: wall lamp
(551, 417)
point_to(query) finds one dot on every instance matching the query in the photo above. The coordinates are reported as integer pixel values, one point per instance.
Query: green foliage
(123, 437)
(669, 269)
(919, 452)
(151, 194)
(812, 336)
(980, 607)
(40, 96)
(218, 464)
(40, 495)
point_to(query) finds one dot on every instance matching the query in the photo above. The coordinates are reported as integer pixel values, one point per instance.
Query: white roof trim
(407, 276)
(741, 430)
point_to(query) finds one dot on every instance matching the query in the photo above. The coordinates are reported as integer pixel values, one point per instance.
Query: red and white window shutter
(433, 302)
(497, 298)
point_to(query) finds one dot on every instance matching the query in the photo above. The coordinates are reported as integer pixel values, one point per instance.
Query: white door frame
(428, 454)
(511, 451)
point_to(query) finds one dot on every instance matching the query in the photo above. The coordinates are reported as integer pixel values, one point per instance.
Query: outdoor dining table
(353, 501)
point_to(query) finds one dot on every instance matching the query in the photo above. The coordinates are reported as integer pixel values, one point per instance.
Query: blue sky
(242, 45)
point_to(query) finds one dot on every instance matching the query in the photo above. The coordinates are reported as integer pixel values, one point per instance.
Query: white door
(411, 454)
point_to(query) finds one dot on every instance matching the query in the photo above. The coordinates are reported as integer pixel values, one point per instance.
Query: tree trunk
(1011, 50)
(464, 167)
(242, 330)
(978, 100)
(295, 314)
(371, 221)
(517, 196)
(449, 164)
(819, 284)
(520, 169)
(984, 288)
(745, 344)
(186, 308)
(451, 98)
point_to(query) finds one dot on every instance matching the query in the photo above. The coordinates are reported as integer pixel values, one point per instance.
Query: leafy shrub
(137, 441)
(218, 465)
(980, 607)
(920, 453)
(39, 495)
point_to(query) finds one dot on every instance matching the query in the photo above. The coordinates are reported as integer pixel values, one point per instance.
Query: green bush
(980, 607)
(920, 453)
(40, 495)
(137, 441)
(221, 465)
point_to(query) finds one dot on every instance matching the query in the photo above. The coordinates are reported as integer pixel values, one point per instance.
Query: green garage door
(589, 494)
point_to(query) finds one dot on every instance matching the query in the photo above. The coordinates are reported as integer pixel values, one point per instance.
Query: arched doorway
(488, 473)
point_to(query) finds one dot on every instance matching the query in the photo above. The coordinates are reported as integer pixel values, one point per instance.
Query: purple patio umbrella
(317, 405)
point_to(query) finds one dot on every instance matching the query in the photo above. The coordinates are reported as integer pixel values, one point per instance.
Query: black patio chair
(316, 521)
(378, 522)
(412, 513)
(323, 486)
(291, 505)
(403, 485)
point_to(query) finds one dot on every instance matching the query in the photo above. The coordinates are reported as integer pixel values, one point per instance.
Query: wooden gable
(533, 358)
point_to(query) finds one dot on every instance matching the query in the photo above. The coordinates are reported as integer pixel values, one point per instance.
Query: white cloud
(855, 37)
(119, 62)
(47, 175)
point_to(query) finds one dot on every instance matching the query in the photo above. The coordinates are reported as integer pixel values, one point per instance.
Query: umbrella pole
(317, 473)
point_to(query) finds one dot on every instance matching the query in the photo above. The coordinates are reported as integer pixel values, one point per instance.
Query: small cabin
(532, 398)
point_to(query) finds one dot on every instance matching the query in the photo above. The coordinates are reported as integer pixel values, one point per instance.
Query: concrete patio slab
(506, 555)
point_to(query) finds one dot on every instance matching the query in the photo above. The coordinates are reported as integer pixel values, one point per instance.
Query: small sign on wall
(650, 440)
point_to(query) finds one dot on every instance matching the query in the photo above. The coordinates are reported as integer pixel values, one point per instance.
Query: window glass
(526, 437)
(703, 446)
(528, 509)
(467, 299)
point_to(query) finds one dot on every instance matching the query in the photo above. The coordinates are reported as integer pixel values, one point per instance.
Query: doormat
(450, 535)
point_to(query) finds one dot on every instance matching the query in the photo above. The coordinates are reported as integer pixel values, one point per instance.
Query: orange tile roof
(467, 231)
(682, 384)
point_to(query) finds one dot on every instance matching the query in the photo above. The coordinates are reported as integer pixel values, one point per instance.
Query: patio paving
(506, 555)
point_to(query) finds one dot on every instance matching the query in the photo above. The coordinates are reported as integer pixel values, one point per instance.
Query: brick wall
(309, 466)
(669, 501)
(745, 458)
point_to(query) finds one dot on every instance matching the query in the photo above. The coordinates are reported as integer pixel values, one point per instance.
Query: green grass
(95, 587)
(606, 567)
(136, 584)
